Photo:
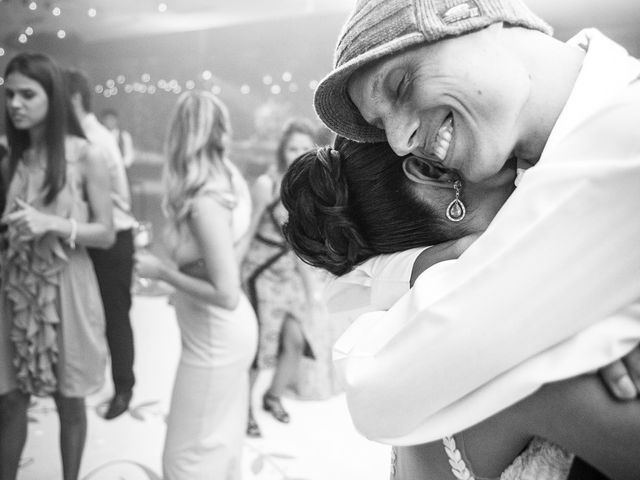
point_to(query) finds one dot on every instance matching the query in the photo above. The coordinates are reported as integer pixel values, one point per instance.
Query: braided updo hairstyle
(351, 202)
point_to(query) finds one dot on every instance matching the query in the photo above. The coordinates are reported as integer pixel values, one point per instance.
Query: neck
(36, 136)
(553, 69)
(80, 112)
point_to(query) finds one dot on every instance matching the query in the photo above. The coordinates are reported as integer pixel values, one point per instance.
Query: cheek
(40, 110)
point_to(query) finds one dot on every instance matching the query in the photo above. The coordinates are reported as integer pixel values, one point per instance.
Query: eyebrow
(20, 89)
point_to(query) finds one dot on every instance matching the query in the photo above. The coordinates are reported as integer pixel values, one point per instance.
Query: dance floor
(319, 444)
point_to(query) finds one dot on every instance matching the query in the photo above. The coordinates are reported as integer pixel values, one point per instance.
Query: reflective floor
(319, 444)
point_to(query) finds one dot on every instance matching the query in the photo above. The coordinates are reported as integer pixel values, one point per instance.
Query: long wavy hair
(60, 120)
(197, 141)
(352, 202)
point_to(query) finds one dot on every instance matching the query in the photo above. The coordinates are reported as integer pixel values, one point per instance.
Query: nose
(13, 101)
(402, 133)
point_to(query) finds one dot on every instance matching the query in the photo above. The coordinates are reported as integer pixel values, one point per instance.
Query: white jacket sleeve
(562, 255)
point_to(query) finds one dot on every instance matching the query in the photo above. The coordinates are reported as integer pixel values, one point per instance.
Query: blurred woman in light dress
(208, 205)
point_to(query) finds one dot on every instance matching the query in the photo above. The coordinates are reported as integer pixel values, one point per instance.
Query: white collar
(607, 68)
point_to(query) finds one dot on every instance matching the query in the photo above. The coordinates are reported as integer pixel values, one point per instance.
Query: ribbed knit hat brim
(379, 28)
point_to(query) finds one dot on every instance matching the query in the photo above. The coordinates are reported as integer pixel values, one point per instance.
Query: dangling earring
(456, 210)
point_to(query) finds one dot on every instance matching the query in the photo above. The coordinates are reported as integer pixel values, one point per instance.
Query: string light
(33, 6)
(28, 31)
(61, 34)
(22, 38)
(92, 12)
(56, 11)
(2, 52)
(1, 81)
(206, 79)
(162, 7)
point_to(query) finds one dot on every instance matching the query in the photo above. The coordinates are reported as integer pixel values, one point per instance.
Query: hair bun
(320, 227)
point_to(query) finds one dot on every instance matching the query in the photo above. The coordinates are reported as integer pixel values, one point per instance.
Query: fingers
(20, 209)
(12, 218)
(22, 204)
(617, 379)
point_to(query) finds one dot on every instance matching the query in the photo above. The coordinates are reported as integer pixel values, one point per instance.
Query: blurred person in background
(3, 154)
(113, 266)
(109, 119)
(281, 288)
(52, 339)
(208, 206)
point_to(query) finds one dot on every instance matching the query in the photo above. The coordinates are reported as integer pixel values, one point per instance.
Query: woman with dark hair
(3, 153)
(277, 284)
(341, 213)
(349, 205)
(51, 334)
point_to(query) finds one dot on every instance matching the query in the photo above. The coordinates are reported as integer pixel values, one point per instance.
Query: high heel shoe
(271, 403)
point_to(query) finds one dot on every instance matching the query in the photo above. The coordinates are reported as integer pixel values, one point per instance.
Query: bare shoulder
(87, 156)
(211, 206)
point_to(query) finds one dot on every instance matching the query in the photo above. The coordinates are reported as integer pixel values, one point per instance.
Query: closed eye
(402, 86)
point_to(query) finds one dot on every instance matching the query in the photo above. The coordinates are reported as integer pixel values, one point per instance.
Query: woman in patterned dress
(52, 339)
(282, 290)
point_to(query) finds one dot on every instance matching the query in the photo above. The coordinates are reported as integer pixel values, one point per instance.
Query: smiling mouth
(440, 146)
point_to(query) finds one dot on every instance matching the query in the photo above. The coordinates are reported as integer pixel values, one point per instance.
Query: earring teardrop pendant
(456, 211)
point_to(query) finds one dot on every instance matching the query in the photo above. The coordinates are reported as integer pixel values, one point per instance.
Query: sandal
(271, 403)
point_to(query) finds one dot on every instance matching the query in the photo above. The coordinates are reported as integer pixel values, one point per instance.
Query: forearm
(579, 415)
(92, 234)
(201, 289)
(311, 289)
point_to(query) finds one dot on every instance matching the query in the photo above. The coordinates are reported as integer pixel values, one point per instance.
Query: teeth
(440, 145)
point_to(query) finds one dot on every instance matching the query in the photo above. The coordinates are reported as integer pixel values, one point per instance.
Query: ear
(425, 172)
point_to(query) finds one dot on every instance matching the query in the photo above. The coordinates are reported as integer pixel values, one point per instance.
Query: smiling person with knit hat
(471, 86)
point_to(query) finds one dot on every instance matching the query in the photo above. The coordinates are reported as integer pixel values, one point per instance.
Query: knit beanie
(379, 28)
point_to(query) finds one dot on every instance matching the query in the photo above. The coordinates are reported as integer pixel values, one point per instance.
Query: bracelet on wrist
(73, 233)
